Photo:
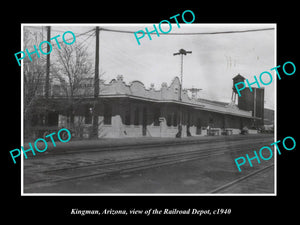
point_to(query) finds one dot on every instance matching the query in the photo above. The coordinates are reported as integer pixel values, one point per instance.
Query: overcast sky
(214, 61)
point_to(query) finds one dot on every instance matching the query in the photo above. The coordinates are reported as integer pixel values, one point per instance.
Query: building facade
(132, 110)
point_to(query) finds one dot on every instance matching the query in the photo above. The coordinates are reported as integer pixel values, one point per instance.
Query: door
(188, 132)
(198, 125)
(144, 129)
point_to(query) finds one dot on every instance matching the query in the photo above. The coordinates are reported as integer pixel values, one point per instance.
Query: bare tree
(34, 75)
(72, 68)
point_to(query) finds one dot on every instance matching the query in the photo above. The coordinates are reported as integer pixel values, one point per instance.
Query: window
(107, 114)
(136, 117)
(127, 117)
(156, 115)
(52, 119)
(175, 115)
(210, 121)
(169, 120)
(88, 115)
(176, 90)
(198, 131)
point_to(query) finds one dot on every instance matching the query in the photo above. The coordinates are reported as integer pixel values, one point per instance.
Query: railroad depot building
(131, 110)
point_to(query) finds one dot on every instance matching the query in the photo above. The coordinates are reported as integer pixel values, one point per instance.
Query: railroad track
(240, 179)
(100, 169)
(179, 142)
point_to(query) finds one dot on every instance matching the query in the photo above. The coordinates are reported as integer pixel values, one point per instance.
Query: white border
(145, 194)
(275, 113)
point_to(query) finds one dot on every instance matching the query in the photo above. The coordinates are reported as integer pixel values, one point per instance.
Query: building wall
(247, 99)
(134, 118)
(269, 117)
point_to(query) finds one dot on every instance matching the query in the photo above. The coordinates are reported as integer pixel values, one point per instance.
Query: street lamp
(181, 52)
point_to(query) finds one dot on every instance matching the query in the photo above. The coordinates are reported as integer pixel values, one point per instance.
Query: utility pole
(181, 52)
(96, 78)
(96, 85)
(47, 79)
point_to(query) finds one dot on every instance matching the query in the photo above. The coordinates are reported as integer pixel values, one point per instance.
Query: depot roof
(117, 88)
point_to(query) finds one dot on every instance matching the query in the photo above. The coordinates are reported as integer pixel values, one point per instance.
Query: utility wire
(41, 27)
(85, 33)
(194, 33)
(91, 35)
(197, 33)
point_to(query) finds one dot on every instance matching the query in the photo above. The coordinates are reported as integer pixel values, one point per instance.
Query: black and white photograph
(144, 111)
(149, 109)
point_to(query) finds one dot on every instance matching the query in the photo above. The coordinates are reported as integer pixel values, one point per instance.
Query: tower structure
(238, 78)
(250, 100)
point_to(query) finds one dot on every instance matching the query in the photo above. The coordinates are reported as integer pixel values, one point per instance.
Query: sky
(215, 58)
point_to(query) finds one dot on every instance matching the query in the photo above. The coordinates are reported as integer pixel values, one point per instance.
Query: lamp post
(181, 52)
